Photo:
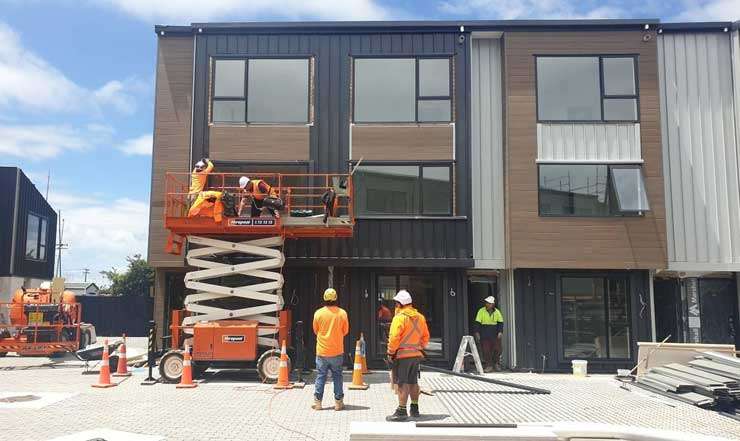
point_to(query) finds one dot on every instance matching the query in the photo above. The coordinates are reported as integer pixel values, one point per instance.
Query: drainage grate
(19, 399)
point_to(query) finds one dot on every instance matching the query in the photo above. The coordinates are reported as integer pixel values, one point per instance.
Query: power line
(86, 271)
(60, 246)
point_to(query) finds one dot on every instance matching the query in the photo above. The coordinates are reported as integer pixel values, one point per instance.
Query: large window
(595, 317)
(591, 190)
(261, 90)
(402, 90)
(403, 189)
(427, 293)
(36, 233)
(586, 89)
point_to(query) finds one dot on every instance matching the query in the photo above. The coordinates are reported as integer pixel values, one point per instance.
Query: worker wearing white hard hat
(261, 195)
(489, 327)
(46, 286)
(199, 177)
(407, 339)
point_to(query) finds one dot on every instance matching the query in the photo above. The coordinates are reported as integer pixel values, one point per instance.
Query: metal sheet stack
(711, 380)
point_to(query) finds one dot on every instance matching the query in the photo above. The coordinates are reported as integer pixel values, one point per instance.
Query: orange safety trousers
(203, 207)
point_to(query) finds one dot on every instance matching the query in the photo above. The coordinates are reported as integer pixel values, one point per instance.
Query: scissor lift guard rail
(245, 246)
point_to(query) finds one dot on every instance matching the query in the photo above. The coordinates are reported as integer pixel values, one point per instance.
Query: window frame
(450, 80)
(602, 93)
(420, 180)
(39, 239)
(605, 277)
(212, 88)
(613, 213)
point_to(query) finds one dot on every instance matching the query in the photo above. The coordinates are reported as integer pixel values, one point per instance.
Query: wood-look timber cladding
(259, 143)
(407, 142)
(171, 151)
(573, 242)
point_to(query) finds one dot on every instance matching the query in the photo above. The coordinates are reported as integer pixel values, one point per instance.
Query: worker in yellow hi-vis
(207, 203)
(489, 325)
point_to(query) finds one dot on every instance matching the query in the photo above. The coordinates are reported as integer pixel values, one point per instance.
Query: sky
(77, 85)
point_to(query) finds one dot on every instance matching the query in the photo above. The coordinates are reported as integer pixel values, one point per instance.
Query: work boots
(316, 404)
(414, 410)
(338, 405)
(399, 415)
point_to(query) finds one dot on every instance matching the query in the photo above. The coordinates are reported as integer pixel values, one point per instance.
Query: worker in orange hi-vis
(330, 324)
(207, 203)
(408, 337)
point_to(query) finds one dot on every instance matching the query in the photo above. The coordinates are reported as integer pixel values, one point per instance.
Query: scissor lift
(229, 325)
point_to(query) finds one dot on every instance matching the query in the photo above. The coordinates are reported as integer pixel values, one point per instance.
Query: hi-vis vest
(257, 192)
(410, 345)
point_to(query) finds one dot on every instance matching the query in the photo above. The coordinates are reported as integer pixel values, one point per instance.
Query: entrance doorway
(480, 287)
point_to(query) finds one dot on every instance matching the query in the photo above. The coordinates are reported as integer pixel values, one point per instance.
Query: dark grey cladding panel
(8, 178)
(329, 137)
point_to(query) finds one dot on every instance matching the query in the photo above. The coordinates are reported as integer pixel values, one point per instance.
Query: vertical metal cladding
(700, 151)
(487, 157)
(329, 135)
(8, 178)
(30, 200)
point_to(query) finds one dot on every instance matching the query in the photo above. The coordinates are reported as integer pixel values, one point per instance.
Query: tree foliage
(135, 281)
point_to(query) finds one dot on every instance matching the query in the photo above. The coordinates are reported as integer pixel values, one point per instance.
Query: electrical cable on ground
(275, 422)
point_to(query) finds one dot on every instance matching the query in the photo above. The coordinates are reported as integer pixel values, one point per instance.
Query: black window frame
(43, 220)
(450, 96)
(245, 98)
(602, 94)
(605, 277)
(614, 212)
(420, 177)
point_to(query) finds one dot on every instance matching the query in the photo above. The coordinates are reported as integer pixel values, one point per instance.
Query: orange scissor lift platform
(255, 329)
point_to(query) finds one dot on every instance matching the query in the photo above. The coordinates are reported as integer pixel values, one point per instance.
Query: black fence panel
(114, 316)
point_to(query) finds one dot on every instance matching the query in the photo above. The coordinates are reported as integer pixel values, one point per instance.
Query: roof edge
(702, 26)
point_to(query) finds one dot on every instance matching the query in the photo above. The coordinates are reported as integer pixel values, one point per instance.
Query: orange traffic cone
(186, 380)
(283, 373)
(104, 378)
(122, 369)
(363, 355)
(357, 382)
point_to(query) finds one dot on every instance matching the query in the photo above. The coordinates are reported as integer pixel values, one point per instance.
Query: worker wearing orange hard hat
(330, 324)
(408, 337)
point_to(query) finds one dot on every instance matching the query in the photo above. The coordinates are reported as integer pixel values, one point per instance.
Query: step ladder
(467, 342)
(268, 294)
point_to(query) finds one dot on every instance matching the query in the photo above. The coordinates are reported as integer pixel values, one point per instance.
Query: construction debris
(711, 380)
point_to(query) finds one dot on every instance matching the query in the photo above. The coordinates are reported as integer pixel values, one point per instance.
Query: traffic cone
(283, 373)
(357, 382)
(186, 380)
(363, 355)
(122, 369)
(104, 377)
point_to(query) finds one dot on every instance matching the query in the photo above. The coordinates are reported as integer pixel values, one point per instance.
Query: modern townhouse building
(696, 297)
(521, 159)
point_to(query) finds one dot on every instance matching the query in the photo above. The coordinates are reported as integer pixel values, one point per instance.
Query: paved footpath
(56, 400)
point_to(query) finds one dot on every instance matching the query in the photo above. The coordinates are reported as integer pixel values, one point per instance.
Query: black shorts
(406, 371)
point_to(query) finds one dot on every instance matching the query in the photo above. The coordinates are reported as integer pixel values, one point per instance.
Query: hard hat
(45, 285)
(330, 295)
(403, 297)
(200, 165)
(243, 181)
(490, 299)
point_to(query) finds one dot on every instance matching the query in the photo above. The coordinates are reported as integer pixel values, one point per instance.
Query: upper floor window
(591, 190)
(261, 90)
(587, 88)
(403, 189)
(36, 237)
(402, 90)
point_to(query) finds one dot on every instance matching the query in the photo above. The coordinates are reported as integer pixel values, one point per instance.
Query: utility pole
(85, 271)
(48, 181)
(60, 245)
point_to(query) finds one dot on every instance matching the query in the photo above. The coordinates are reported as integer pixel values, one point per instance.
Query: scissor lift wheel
(170, 367)
(268, 366)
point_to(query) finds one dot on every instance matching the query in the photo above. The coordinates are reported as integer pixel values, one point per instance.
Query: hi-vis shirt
(198, 179)
(489, 323)
(409, 333)
(330, 324)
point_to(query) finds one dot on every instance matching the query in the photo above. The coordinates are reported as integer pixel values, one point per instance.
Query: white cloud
(30, 83)
(537, 9)
(186, 11)
(37, 142)
(100, 232)
(141, 145)
(720, 10)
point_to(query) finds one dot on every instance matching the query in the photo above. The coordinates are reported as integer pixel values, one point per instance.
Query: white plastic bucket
(580, 368)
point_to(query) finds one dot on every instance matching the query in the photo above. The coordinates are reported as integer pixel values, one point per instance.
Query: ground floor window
(595, 317)
(428, 295)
